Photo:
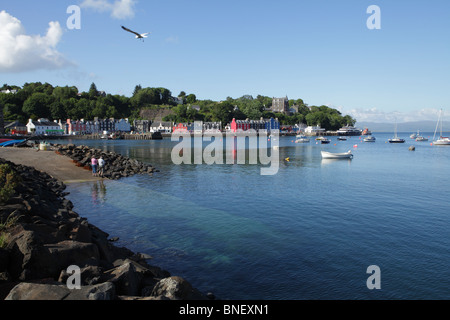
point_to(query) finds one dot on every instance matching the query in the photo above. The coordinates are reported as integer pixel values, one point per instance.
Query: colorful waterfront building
(180, 128)
(257, 125)
(76, 127)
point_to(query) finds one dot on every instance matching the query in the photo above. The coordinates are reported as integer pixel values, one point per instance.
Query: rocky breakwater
(41, 237)
(117, 166)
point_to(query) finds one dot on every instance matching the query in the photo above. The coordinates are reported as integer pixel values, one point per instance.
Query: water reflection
(326, 162)
(98, 192)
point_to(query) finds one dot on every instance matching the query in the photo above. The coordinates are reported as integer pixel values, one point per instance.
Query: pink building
(76, 127)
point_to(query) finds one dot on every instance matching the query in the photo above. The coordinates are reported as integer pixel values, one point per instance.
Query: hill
(424, 126)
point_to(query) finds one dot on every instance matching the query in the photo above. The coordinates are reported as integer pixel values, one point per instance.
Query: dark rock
(90, 275)
(4, 260)
(57, 257)
(126, 279)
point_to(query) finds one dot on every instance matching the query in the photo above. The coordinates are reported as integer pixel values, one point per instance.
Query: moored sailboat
(442, 141)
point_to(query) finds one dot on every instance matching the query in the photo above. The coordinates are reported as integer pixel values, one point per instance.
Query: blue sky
(320, 51)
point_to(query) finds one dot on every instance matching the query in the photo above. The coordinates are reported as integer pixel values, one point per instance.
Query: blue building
(272, 124)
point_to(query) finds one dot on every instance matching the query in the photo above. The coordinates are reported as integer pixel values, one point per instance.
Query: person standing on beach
(94, 164)
(101, 166)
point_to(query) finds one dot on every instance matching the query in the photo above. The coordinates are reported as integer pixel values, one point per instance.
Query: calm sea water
(308, 232)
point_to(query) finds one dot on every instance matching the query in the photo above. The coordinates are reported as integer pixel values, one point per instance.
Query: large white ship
(349, 131)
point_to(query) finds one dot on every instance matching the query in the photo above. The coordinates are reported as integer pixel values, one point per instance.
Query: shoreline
(48, 236)
(57, 166)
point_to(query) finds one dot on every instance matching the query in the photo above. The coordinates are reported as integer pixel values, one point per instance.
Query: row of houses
(257, 125)
(71, 127)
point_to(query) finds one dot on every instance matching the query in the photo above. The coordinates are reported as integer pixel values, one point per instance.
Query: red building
(180, 128)
(76, 127)
(239, 125)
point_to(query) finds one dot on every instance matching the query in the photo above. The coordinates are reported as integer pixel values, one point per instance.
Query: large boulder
(35, 291)
(31, 259)
(176, 288)
(126, 279)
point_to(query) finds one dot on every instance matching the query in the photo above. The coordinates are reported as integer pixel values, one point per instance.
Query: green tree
(191, 98)
(57, 111)
(145, 98)
(93, 92)
(137, 89)
(222, 112)
(37, 104)
(63, 93)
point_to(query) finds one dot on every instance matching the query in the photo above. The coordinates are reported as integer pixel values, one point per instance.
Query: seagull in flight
(138, 35)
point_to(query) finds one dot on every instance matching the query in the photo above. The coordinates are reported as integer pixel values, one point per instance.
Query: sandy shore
(57, 166)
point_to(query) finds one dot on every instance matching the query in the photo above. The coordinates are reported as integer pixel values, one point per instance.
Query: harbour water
(308, 232)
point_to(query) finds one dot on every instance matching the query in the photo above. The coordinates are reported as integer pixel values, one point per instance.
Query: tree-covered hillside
(37, 100)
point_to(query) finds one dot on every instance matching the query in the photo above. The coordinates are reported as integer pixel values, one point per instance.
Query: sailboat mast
(437, 124)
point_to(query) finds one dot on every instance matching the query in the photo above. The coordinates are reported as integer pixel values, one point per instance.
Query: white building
(162, 126)
(44, 127)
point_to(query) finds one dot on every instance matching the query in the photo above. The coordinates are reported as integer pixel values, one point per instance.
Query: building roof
(14, 124)
(45, 123)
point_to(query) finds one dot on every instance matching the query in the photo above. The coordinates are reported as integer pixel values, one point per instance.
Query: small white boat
(442, 141)
(342, 139)
(330, 155)
(323, 140)
(370, 139)
(301, 139)
(421, 138)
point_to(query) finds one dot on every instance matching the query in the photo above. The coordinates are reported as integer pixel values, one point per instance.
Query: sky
(321, 51)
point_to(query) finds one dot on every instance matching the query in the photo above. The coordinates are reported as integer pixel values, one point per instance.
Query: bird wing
(126, 29)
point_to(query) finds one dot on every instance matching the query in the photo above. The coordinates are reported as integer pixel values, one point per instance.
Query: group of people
(98, 166)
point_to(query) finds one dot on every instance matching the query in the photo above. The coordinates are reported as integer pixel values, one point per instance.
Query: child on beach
(94, 163)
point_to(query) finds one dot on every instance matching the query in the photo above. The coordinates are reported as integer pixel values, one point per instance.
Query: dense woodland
(37, 100)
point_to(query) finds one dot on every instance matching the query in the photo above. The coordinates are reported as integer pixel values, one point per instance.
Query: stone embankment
(117, 166)
(43, 237)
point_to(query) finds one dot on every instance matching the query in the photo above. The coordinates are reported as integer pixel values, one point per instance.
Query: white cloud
(119, 9)
(21, 52)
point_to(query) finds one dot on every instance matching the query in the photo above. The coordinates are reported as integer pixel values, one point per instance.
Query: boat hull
(329, 155)
(396, 141)
(442, 143)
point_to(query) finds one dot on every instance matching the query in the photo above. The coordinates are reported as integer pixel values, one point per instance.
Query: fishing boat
(370, 139)
(301, 139)
(442, 141)
(396, 139)
(421, 139)
(330, 155)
